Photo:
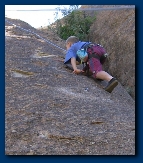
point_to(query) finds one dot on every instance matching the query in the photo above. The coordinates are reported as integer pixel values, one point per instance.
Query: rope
(29, 31)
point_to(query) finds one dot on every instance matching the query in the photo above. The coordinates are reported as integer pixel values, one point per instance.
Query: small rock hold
(86, 89)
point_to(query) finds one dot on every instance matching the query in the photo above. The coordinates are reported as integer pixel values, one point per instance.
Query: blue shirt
(72, 51)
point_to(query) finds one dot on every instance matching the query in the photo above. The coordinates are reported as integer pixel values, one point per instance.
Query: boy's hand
(77, 71)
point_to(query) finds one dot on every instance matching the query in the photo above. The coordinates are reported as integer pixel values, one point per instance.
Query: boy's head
(71, 40)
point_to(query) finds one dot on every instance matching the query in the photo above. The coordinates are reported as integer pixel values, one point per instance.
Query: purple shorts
(95, 66)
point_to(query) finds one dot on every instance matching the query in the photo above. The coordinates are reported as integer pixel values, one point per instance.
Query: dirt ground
(50, 111)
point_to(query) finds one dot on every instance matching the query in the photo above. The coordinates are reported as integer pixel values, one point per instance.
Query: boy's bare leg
(112, 82)
(103, 75)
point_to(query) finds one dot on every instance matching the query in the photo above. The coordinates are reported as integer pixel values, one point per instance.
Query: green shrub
(77, 23)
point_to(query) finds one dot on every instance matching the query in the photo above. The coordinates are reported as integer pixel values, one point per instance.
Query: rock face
(50, 111)
(115, 30)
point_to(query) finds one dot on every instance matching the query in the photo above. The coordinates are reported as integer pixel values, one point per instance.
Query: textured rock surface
(50, 111)
(115, 30)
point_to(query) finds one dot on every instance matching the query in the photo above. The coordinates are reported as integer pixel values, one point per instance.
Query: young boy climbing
(93, 60)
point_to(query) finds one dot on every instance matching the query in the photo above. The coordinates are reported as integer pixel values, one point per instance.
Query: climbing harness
(89, 51)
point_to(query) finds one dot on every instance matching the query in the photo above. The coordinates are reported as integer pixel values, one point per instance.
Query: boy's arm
(73, 63)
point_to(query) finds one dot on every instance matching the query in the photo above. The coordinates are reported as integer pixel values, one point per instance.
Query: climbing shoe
(111, 85)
